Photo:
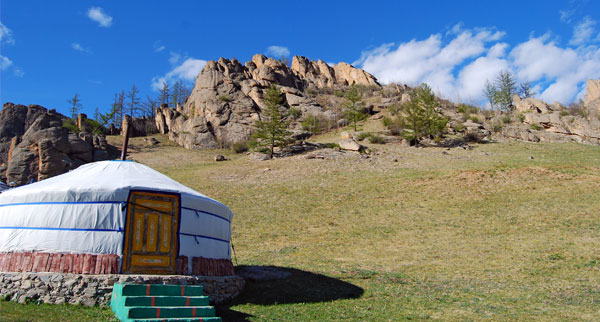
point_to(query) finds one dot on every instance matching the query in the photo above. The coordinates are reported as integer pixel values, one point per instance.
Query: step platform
(157, 302)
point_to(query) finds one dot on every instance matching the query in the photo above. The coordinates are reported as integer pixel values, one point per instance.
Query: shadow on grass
(299, 287)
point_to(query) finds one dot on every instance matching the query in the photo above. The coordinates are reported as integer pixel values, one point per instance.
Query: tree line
(132, 103)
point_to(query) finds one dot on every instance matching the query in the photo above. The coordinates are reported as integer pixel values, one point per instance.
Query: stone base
(91, 290)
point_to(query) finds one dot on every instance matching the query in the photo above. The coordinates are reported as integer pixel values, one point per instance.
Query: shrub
(71, 126)
(294, 113)
(521, 117)
(239, 147)
(394, 109)
(465, 108)
(386, 121)
(458, 127)
(472, 136)
(394, 125)
(497, 126)
(506, 119)
(363, 135)
(564, 113)
(376, 139)
(465, 116)
(224, 98)
(535, 126)
(313, 124)
(97, 128)
(475, 119)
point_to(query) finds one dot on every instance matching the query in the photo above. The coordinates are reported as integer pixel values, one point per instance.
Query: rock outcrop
(34, 144)
(592, 95)
(141, 126)
(227, 97)
(320, 74)
(544, 122)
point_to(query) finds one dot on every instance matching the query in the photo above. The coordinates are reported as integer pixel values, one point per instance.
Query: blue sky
(51, 50)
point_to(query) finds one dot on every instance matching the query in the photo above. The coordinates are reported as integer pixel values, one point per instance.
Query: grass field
(506, 231)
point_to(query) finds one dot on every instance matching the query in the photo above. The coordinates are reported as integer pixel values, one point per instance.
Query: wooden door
(151, 233)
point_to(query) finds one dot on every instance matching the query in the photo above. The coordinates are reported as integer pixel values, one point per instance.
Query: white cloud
(5, 62)
(433, 61)
(6, 35)
(18, 72)
(98, 15)
(458, 64)
(79, 47)
(187, 71)
(158, 46)
(174, 58)
(278, 51)
(583, 31)
(567, 15)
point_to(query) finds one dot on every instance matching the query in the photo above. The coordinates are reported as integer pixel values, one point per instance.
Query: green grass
(477, 234)
(11, 311)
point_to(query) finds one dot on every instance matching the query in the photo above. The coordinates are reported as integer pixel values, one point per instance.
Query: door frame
(128, 226)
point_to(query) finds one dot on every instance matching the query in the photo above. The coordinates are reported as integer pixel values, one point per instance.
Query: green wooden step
(159, 289)
(138, 312)
(203, 319)
(166, 300)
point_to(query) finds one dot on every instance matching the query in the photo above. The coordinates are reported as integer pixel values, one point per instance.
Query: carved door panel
(151, 233)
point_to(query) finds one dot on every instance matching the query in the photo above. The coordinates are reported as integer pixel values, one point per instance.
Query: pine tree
(506, 87)
(271, 130)
(354, 106)
(490, 93)
(75, 103)
(421, 117)
(525, 90)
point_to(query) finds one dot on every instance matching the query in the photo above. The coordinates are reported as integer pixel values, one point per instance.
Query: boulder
(348, 74)
(531, 104)
(350, 145)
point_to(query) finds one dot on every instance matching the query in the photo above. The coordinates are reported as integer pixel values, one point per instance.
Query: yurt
(113, 217)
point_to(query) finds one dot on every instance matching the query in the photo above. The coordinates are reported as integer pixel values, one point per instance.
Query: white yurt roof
(89, 203)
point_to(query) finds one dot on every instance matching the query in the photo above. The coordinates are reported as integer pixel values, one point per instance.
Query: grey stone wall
(91, 290)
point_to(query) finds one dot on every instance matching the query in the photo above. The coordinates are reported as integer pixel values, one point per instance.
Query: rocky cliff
(35, 145)
(227, 97)
(592, 96)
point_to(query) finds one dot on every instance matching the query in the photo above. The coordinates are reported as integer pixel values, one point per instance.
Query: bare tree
(165, 92)
(133, 100)
(149, 107)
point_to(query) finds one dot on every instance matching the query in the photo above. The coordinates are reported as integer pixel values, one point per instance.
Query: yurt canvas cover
(119, 208)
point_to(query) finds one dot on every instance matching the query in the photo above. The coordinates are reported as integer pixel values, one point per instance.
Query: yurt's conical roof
(105, 180)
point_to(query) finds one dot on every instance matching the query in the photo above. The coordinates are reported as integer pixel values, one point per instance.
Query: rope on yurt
(234, 255)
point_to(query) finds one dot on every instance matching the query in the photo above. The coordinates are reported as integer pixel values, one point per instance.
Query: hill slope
(501, 231)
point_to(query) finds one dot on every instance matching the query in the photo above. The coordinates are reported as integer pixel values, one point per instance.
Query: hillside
(500, 231)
